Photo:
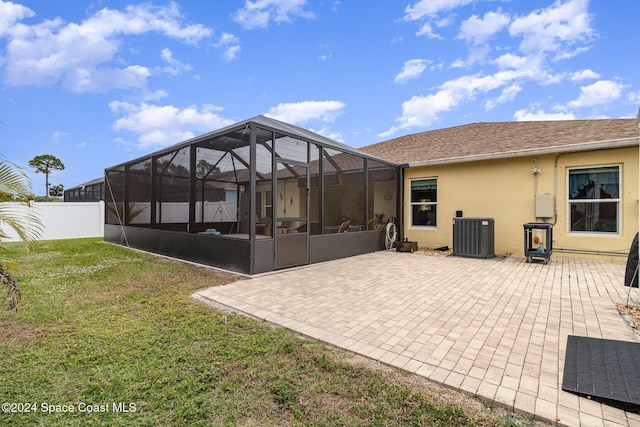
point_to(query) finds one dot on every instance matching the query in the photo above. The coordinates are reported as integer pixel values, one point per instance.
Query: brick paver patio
(496, 328)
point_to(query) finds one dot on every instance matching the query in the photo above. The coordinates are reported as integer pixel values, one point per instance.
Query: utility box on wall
(544, 206)
(473, 237)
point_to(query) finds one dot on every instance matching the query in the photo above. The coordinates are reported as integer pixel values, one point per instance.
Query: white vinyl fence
(61, 220)
(172, 212)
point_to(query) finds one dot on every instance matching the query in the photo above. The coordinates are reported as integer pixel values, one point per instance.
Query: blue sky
(99, 83)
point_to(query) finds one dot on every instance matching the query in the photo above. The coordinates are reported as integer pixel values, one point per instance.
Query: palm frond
(15, 182)
(27, 226)
(16, 185)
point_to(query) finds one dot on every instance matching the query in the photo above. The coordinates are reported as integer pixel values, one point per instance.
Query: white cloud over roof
(299, 113)
(600, 92)
(539, 115)
(162, 125)
(535, 41)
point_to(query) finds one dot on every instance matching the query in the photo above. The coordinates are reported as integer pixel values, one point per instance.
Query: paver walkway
(496, 328)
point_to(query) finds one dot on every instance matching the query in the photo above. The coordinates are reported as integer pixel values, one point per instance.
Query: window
(268, 204)
(424, 202)
(594, 200)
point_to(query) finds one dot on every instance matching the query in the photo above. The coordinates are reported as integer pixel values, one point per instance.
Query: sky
(98, 83)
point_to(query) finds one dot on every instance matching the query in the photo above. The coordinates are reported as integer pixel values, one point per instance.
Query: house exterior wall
(505, 189)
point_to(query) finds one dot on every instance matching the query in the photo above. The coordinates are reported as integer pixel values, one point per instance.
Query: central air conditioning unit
(473, 237)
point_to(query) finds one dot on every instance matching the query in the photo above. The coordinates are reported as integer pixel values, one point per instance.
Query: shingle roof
(492, 139)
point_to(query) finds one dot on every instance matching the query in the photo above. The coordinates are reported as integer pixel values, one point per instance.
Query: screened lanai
(253, 197)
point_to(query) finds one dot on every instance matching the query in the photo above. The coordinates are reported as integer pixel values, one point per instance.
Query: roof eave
(558, 149)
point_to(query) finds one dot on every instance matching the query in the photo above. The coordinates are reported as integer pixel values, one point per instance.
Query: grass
(103, 329)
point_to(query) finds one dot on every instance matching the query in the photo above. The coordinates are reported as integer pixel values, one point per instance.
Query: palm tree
(15, 186)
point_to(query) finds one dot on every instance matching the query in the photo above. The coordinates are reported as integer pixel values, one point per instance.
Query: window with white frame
(594, 199)
(424, 202)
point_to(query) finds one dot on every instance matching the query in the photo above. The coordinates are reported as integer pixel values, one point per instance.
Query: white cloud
(539, 115)
(507, 94)
(174, 67)
(124, 143)
(422, 111)
(477, 31)
(162, 125)
(458, 63)
(325, 52)
(79, 54)
(568, 54)
(430, 8)
(478, 54)
(535, 41)
(531, 67)
(231, 53)
(427, 11)
(299, 113)
(58, 135)
(587, 74)
(634, 97)
(144, 18)
(427, 30)
(260, 13)
(106, 79)
(230, 45)
(412, 69)
(599, 93)
(10, 14)
(156, 95)
(325, 131)
(554, 29)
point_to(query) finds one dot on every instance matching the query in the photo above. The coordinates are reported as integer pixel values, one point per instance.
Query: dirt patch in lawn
(15, 335)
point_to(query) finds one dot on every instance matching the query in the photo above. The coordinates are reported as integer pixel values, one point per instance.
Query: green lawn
(115, 336)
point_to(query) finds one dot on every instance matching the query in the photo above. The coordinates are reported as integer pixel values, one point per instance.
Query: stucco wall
(505, 190)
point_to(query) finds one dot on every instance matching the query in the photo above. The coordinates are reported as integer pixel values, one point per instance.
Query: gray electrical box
(544, 206)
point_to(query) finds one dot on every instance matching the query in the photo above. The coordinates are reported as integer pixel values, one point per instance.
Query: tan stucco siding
(505, 190)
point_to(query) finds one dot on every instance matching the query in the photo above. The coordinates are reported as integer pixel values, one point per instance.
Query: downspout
(400, 202)
(535, 171)
(555, 189)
